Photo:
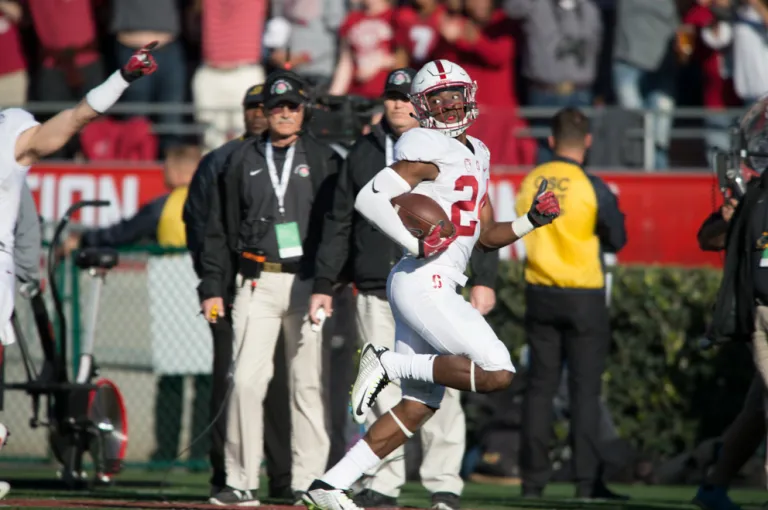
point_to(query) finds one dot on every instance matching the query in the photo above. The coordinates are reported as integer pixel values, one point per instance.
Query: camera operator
(258, 253)
(351, 242)
(741, 309)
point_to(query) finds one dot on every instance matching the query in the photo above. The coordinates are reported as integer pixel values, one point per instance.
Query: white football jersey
(460, 188)
(13, 122)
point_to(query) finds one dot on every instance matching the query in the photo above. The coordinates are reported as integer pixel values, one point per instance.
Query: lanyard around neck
(279, 185)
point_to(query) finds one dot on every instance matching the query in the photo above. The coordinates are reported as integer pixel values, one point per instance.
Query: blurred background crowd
(635, 54)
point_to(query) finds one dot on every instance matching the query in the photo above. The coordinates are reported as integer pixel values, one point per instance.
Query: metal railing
(194, 127)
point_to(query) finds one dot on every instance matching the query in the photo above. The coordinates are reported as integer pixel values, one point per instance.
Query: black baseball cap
(399, 81)
(284, 86)
(254, 95)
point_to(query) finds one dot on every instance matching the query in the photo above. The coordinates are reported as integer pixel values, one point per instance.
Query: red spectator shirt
(61, 24)
(12, 56)
(490, 61)
(418, 35)
(718, 89)
(232, 32)
(371, 39)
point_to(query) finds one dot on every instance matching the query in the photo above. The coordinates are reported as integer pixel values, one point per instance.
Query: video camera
(730, 177)
(748, 151)
(340, 119)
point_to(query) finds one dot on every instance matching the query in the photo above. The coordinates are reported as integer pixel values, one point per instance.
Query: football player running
(441, 340)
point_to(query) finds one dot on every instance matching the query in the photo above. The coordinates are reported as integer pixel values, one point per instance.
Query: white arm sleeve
(373, 202)
(103, 97)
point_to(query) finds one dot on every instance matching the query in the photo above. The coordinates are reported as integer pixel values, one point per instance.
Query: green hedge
(666, 393)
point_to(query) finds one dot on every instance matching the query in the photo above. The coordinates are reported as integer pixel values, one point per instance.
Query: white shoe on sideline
(371, 379)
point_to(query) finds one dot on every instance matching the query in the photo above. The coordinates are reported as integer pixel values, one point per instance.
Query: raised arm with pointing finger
(41, 140)
(24, 141)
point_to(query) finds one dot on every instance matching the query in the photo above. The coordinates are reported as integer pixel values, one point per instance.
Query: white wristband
(522, 226)
(102, 98)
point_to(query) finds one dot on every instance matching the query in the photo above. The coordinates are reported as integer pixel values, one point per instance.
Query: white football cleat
(321, 496)
(5, 488)
(371, 379)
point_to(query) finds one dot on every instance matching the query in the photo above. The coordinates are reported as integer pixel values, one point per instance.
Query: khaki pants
(218, 96)
(13, 89)
(757, 397)
(278, 300)
(442, 437)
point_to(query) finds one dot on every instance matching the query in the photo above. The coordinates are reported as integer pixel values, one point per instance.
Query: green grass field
(32, 488)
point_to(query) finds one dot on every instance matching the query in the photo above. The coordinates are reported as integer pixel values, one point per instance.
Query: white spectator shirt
(13, 122)
(750, 54)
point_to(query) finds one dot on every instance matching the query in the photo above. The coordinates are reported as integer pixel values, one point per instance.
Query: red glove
(545, 207)
(141, 63)
(433, 244)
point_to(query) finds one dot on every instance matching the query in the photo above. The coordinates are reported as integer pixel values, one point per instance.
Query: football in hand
(419, 214)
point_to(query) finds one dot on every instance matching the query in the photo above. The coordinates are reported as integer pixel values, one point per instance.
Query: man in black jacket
(741, 308)
(747, 431)
(276, 430)
(350, 240)
(258, 253)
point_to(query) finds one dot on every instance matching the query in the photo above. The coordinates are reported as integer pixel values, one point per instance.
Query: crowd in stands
(653, 54)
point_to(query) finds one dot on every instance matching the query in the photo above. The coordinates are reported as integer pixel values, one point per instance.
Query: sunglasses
(279, 108)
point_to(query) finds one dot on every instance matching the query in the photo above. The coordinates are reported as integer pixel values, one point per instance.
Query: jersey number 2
(462, 183)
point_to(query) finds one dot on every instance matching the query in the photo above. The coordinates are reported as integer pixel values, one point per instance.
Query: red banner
(127, 187)
(663, 210)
